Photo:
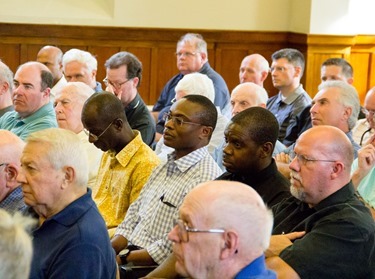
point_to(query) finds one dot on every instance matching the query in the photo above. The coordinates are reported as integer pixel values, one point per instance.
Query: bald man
(33, 110)
(324, 218)
(11, 147)
(227, 247)
(51, 56)
(254, 68)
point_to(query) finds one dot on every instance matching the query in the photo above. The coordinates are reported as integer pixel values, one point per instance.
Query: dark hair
(347, 69)
(208, 115)
(47, 79)
(132, 63)
(260, 123)
(293, 56)
(107, 106)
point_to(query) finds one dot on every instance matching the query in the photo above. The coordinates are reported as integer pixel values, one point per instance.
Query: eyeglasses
(95, 138)
(303, 160)
(186, 54)
(183, 230)
(177, 120)
(115, 85)
(4, 164)
(368, 112)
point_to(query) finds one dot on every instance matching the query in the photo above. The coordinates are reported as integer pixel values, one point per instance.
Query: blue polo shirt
(74, 243)
(256, 270)
(43, 118)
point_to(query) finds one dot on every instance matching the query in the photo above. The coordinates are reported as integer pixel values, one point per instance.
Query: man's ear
(337, 169)
(298, 71)
(230, 245)
(118, 124)
(69, 176)
(206, 131)
(4, 87)
(11, 176)
(265, 150)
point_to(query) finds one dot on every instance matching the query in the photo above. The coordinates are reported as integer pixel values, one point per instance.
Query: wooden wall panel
(156, 48)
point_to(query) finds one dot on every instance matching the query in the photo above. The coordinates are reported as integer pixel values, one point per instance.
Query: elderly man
(79, 65)
(51, 56)
(196, 84)
(365, 128)
(188, 129)
(16, 248)
(227, 247)
(124, 75)
(254, 68)
(325, 218)
(192, 57)
(331, 69)
(286, 70)
(11, 147)
(72, 240)
(68, 107)
(127, 161)
(6, 88)
(33, 110)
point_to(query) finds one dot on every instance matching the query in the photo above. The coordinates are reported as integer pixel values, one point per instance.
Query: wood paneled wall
(156, 47)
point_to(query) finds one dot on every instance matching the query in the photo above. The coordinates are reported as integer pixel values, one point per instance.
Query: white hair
(252, 88)
(83, 57)
(79, 89)
(15, 245)
(197, 84)
(64, 148)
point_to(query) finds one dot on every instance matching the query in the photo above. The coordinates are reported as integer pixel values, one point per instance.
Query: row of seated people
(108, 128)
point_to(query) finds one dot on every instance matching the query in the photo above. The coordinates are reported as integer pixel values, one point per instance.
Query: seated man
(68, 108)
(16, 248)
(231, 246)
(72, 240)
(364, 129)
(188, 130)
(247, 156)
(33, 110)
(6, 89)
(127, 161)
(196, 84)
(11, 198)
(254, 68)
(335, 231)
(363, 174)
(124, 76)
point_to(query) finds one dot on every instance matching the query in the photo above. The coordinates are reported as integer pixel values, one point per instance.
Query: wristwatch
(123, 255)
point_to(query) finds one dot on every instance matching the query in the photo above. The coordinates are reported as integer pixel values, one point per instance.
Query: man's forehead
(186, 108)
(28, 74)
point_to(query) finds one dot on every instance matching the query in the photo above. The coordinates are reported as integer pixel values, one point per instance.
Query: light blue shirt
(43, 118)
(366, 187)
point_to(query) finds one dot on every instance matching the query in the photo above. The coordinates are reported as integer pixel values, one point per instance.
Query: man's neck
(288, 90)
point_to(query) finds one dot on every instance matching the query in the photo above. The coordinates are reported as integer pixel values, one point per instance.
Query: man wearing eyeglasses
(188, 129)
(124, 75)
(192, 57)
(286, 71)
(11, 198)
(324, 230)
(365, 128)
(127, 161)
(223, 230)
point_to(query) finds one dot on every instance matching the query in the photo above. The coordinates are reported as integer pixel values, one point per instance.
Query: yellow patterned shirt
(120, 179)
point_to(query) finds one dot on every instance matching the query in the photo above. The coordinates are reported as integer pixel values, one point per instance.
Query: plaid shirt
(14, 202)
(152, 215)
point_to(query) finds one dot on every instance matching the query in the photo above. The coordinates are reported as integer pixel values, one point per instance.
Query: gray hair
(194, 39)
(64, 148)
(348, 98)
(83, 57)
(6, 75)
(79, 89)
(253, 89)
(197, 84)
(15, 245)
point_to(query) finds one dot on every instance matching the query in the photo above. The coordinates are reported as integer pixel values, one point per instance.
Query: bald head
(254, 68)
(11, 147)
(247, 95)
(51, 57)
(233, 206)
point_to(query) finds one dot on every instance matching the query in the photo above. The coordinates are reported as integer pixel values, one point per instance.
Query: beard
(298, 193)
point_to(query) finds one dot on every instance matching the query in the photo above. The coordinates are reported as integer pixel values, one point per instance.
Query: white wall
(301, 16)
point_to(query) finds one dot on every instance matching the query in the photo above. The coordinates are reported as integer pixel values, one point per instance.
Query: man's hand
(366, 161)
(279, 242)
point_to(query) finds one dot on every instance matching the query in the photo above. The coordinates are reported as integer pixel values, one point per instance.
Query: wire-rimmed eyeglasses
(302, 159)
(183, 230)
(94, 137)
(177, 120)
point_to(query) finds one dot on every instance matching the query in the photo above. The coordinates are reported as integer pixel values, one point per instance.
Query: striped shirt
(152, 215)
